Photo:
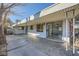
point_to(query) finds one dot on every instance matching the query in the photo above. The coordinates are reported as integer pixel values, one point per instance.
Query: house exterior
(58, 22)
(55, 22)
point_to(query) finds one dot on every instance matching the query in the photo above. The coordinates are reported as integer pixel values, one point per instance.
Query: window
(22, 27)
(40, 28)
(54, 29)
(57, 28)
(31, 27)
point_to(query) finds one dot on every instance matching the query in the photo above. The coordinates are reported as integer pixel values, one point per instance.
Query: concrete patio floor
(23, 45)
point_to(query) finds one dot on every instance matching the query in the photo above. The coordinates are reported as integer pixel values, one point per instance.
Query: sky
(28, 9)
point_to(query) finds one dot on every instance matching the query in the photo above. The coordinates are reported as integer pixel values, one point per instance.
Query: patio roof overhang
(55, 15)
(48, 18)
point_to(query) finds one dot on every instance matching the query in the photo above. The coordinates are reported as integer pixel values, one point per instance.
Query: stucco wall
(19, 31)
(37, 34)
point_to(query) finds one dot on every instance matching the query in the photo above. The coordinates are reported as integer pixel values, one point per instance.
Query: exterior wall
(37, 34)
(51, 15)
(19, 31)
(43, 34)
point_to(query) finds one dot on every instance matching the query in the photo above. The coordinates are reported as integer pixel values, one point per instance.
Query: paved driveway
(22, 45)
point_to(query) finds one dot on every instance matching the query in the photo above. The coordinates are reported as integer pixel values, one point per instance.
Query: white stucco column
(66, 32)
(74, 32)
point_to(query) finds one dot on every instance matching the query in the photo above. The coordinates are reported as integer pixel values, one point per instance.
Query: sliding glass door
(54, 30)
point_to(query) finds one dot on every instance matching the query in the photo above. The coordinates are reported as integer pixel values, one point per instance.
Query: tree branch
(10, 6)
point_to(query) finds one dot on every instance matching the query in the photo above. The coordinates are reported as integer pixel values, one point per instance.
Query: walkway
(22, 45)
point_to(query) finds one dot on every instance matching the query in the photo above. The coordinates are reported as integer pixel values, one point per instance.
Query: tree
(4, 10)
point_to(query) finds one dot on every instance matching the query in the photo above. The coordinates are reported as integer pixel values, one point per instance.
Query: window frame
(39, 27)
(31, 27)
